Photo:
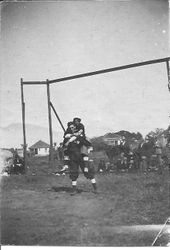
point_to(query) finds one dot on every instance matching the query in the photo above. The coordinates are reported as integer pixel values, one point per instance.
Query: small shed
(40, 148)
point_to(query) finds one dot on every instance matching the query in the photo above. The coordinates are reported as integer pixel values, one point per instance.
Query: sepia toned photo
(85, 123)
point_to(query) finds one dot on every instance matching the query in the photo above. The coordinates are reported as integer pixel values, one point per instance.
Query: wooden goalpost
(47, 83)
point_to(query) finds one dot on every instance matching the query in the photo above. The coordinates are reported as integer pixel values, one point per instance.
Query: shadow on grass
(65, 189)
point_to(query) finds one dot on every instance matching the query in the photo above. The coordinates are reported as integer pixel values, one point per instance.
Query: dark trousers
(85, 165)
(76, 161)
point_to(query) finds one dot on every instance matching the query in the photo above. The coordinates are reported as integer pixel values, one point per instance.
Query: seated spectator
(102, 166)
(131, 160)
(18, 164)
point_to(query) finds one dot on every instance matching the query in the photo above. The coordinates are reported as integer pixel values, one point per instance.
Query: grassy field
(127, 211)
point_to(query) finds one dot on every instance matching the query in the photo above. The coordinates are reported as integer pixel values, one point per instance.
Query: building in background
(40, 148)
(112, 139)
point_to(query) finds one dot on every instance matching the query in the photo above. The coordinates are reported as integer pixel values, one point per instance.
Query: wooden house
(40, 148)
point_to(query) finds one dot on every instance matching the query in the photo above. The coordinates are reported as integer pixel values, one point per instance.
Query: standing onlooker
(158, 151)
(168, 145)
(145, 150)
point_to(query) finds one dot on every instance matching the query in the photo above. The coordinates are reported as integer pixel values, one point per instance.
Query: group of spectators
(147, 156)
(14, 164)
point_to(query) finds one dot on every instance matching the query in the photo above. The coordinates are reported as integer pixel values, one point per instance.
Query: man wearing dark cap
(80, 131)
(79, 126)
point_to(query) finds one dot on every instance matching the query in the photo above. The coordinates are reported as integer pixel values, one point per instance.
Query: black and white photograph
(85, 123)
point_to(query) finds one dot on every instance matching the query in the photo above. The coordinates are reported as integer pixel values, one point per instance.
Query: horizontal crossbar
(34, 82)
(103, 71)
(110, 70)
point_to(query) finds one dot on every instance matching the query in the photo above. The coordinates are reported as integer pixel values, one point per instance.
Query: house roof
(40, 144)
(112, 136)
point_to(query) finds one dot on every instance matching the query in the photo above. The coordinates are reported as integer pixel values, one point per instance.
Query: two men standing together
(76, 147)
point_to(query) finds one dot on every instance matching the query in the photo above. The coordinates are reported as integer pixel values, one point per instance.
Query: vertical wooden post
(168, 73)
(23, 126)
(51, 152)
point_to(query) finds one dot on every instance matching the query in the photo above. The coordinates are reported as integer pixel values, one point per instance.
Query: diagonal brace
(57, 116)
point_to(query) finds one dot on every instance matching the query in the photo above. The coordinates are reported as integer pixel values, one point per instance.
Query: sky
(48, 40)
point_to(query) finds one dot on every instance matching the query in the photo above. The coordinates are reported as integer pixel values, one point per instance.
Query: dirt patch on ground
(38, 210)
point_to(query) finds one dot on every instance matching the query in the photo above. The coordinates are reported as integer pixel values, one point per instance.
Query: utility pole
(168, 73)
(51, 151)
(23, 126)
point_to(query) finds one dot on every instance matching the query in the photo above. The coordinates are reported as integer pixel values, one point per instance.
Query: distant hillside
(12, 135)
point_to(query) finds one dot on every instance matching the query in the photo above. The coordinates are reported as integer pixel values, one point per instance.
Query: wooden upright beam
(51, 152)
(23, 126)
(168, 74)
